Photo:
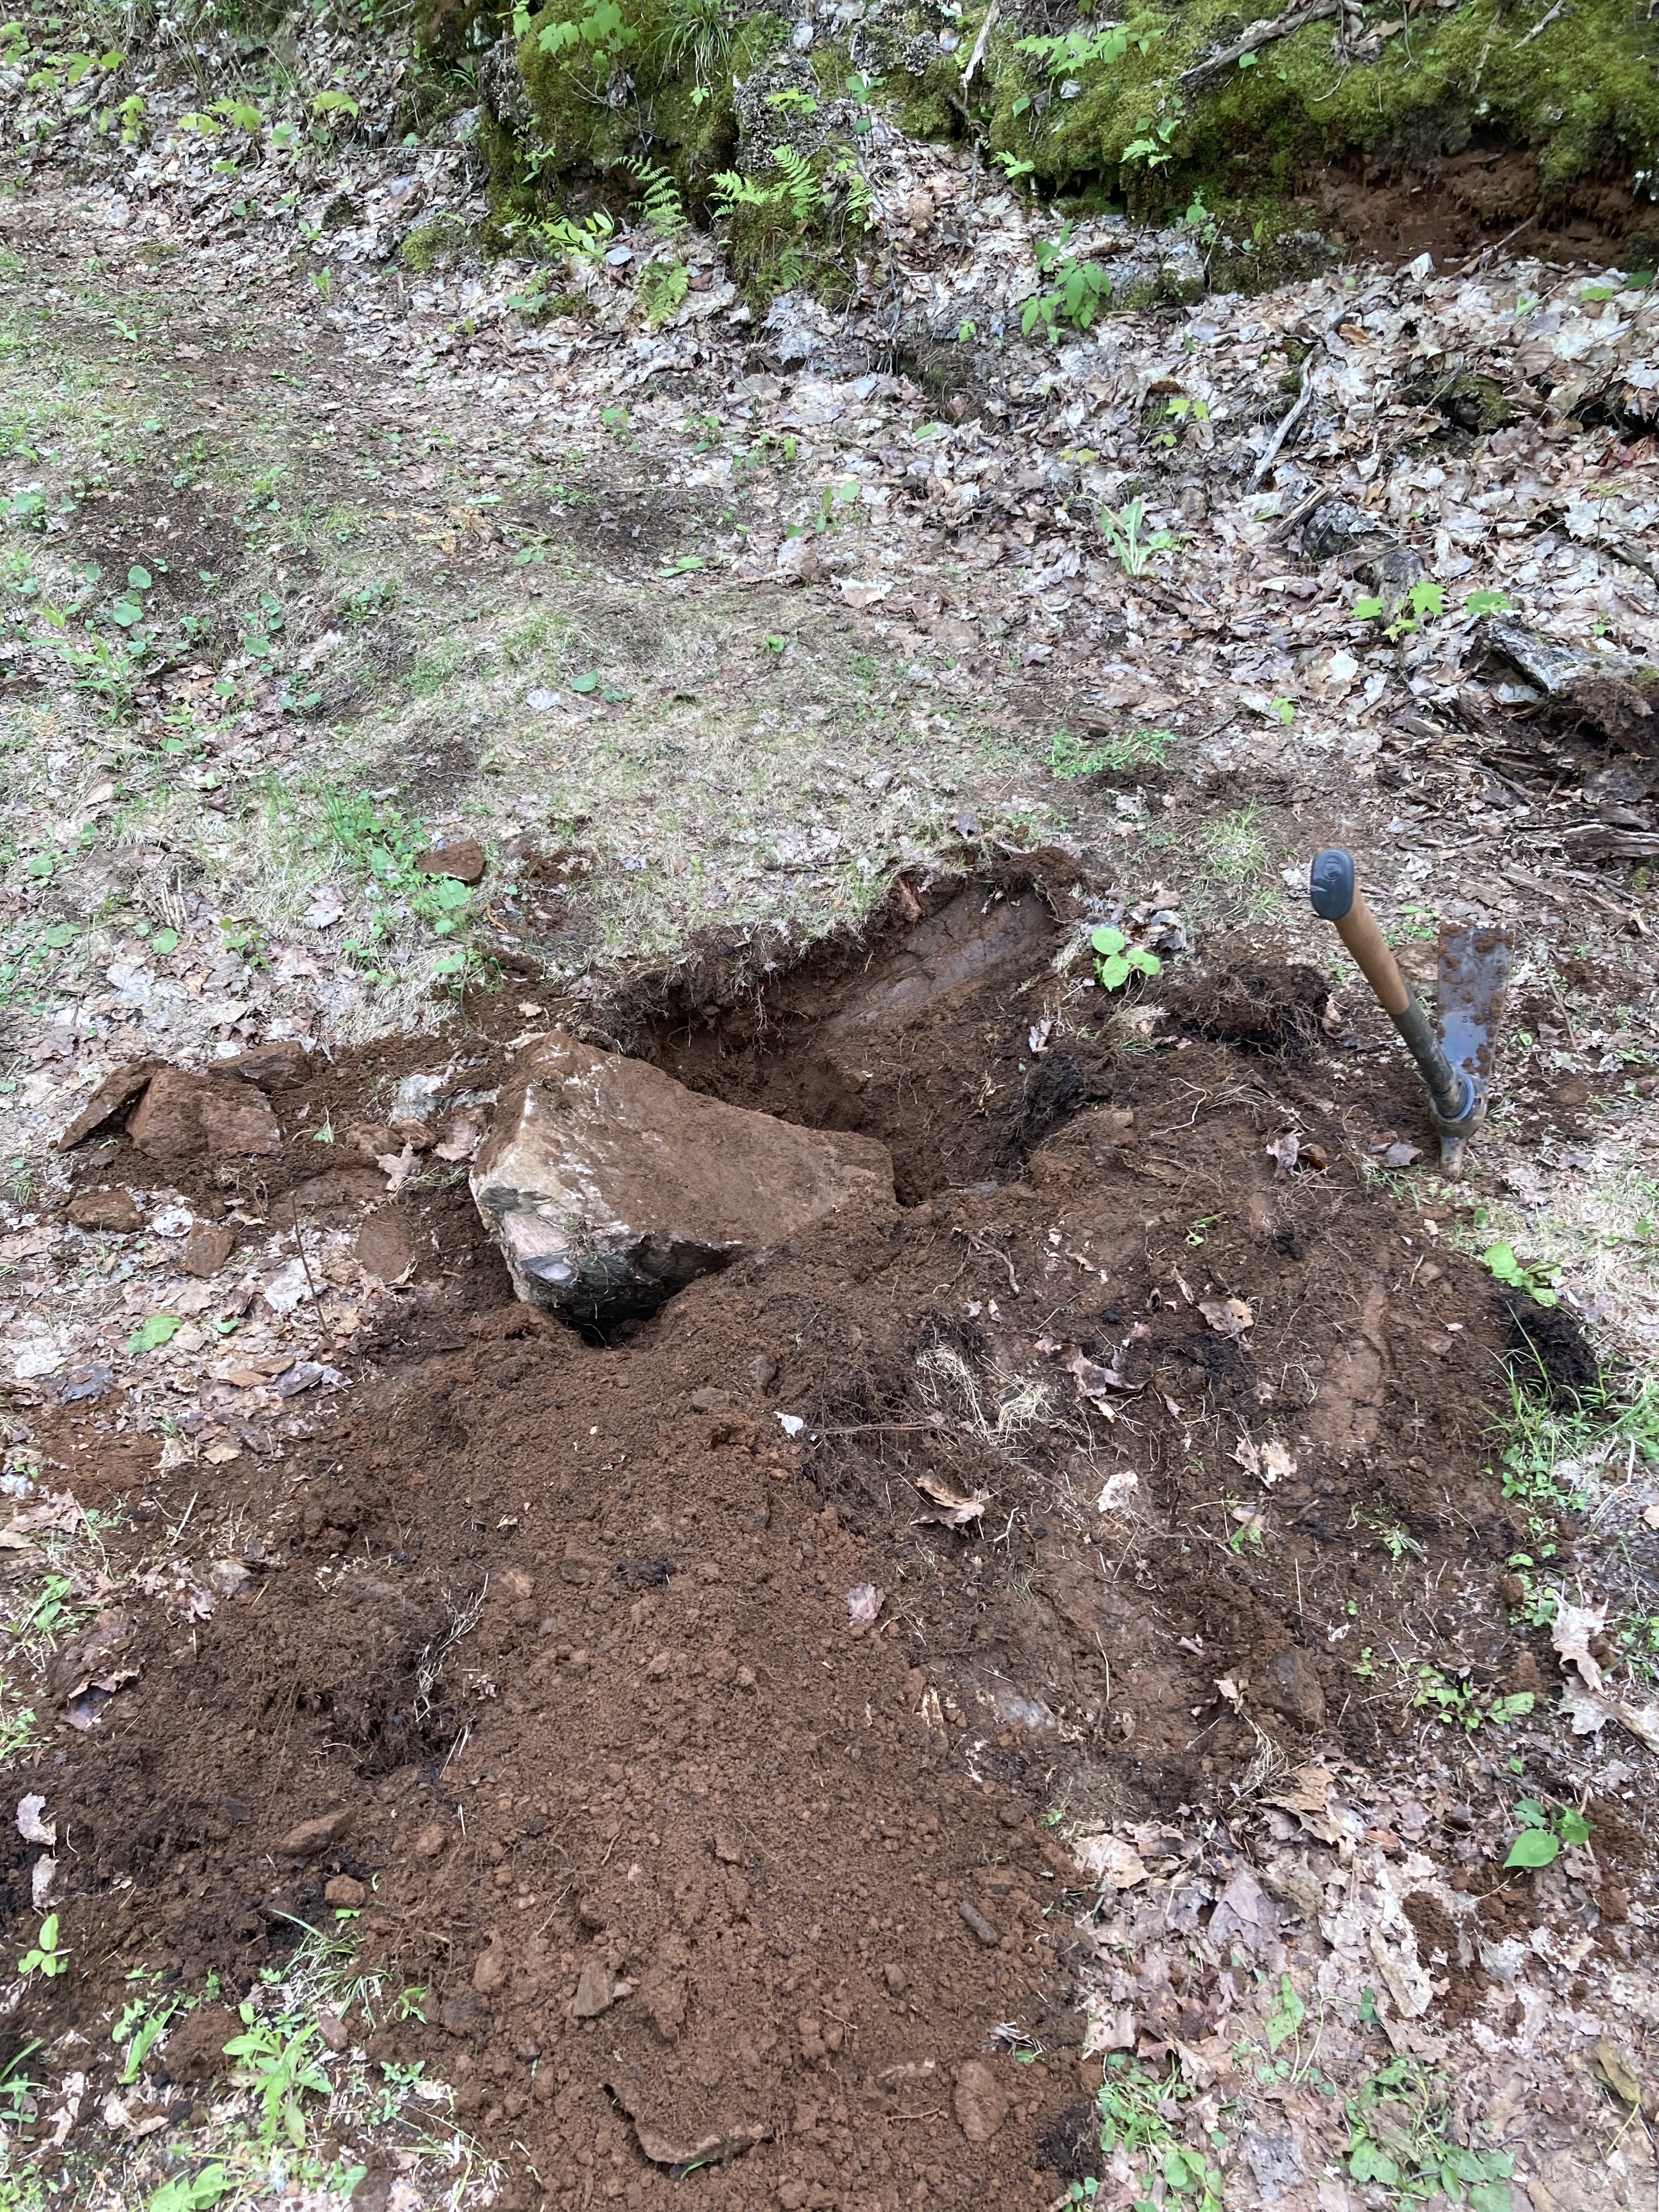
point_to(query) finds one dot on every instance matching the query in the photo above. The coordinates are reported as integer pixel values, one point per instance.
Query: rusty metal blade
(1475, 974)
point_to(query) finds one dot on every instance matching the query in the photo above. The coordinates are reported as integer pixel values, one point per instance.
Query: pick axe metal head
(1454, 1055)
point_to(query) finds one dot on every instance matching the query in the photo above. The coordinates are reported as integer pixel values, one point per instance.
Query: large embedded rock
(183, 1117)
(609, 1186)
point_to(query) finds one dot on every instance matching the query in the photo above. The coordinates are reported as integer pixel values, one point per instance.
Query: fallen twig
(1289, 420)
(1262, 33)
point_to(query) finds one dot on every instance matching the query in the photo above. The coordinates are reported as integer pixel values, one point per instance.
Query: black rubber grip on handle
(1331, 883)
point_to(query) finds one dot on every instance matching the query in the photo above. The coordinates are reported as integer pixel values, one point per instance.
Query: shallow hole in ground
(928, 1037)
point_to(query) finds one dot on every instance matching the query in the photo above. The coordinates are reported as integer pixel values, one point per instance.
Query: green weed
(1398, 2136)
(279, 2068)
(1542, 1833)
(1456, 1702)
(1133, 551)
(1069, 757)
(45, 1958)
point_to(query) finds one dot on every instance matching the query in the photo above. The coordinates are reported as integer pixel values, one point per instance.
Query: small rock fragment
(113, 1096)
(1291, 1686)
(282, 1065)
(981, 1927)
(727, 1849)
(208, 1247)
(595, 1993)
(385, 1245)
(432, 1842)
(316, 1834)
(491, 1971)
(114, 1211)
(345, 1891)
(332, 2030)
(980, 2103)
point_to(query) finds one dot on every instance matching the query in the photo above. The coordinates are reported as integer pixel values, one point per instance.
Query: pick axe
(1454, 1052)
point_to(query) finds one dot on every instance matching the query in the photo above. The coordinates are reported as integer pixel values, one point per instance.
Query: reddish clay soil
(550, 1639)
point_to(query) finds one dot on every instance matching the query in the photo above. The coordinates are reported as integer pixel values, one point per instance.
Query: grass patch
(1069, 757)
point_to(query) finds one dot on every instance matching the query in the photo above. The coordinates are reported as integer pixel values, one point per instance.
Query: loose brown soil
(690, 1864)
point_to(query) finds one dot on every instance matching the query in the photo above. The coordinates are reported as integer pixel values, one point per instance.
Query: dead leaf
(461, 1138)
(1107, 1858)
(864, 1603)
(1590, 1711)
(1571, 1633)
(57, 1511)
(397, 1167)
(1269, 1462)
(1620, 2076)
(1282, 1151)
(30, 1824)
(956, 1508)
(1401, 1156)
(1094, 1380)
(42, 1874)
(1230, 1316)
(1118, 1493)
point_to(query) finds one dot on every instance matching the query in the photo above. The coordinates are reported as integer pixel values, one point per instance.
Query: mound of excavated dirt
(699, 1758)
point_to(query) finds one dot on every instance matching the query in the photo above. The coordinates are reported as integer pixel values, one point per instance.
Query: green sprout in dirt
(1116, 960)
(1501, 1263)
(1457, 1703)
(1399, 2137)
(1542, 1833)
(194, 2193)
(45, 1958)
(1069, 757)
(1134, 552)
(279, 2068)
(1078, 290)
(1425, 602)
(1551, 1439)
(1140, 2111)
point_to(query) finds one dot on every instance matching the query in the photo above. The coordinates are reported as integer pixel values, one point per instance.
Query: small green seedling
(1542, 1833)
(1500, 1260)
(1117, 959)
(1424, 602)
(195, 2192)
(45, 1958)
(1133, 553)
(280, 2069)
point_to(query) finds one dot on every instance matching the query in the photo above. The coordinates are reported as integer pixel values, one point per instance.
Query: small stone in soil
(115, 1212)
(1291, 1686)
(208, 1247)
(343, 1890)
(980, 2103)
(316, 1834)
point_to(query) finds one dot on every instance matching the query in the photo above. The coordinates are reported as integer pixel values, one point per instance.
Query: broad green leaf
(138, 578)
(165, 940)
(1571, 1826)
(1533, 1848)
(1107, 940)
(159, 1329)
(586, 682)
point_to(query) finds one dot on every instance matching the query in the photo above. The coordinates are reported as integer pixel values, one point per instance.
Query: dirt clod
(115, 1212)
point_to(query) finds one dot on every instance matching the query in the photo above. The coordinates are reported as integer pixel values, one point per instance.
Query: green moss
(681, 114)
(1582, 96)
(432, 243)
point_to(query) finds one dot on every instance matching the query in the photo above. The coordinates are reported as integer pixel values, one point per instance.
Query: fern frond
(805, 193)
(659, 202)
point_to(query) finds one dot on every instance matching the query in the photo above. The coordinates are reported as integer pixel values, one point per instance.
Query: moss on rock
(1582, 95)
